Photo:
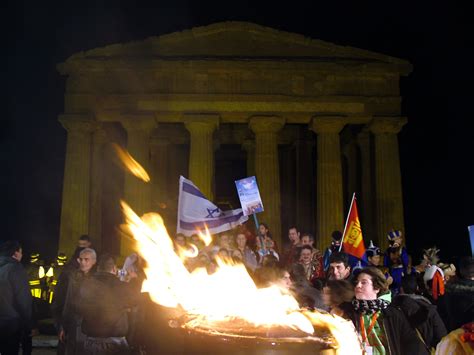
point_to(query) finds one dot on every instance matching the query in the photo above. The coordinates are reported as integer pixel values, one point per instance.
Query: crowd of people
(396, 307)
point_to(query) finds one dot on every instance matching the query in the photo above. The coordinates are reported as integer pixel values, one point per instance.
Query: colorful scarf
(369, 306)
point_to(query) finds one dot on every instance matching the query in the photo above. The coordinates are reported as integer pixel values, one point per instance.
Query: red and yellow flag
(353, 243)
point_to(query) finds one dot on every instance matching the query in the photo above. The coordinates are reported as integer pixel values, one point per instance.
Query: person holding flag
(352, 239)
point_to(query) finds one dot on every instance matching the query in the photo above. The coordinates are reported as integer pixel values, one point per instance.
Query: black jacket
(64, 307)
(401, 338)
(423, 316)
(15, 296)
(456, 307)
(104, 305)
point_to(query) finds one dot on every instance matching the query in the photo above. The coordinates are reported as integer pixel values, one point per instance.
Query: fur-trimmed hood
(460, 286)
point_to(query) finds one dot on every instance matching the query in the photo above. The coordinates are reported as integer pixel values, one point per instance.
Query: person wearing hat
(357, 268)
(396, 259)
(434, 281)
(374, 259)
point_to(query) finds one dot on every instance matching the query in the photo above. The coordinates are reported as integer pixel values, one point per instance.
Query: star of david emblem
(211, 212)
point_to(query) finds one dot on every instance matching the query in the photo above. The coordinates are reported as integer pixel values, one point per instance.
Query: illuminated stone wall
(195, 90)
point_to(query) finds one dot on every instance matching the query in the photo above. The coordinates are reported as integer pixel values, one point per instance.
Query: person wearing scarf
(383, 328)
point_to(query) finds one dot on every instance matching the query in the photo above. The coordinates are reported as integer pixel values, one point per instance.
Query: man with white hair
(104, 305)
(64, 308)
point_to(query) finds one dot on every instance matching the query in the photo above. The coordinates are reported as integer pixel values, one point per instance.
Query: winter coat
(15, 296)
(64, 307)
(423, 316)
(401, 338)
(456, 306)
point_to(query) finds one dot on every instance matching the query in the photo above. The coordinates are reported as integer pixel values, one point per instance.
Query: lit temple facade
(314, 121)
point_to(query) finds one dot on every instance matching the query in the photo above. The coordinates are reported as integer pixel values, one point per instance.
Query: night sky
(436, 146)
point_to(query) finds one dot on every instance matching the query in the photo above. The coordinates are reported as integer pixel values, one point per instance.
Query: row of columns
(81, 193)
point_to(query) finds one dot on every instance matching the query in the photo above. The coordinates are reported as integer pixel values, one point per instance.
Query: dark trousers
(26, 344)
(10, 343)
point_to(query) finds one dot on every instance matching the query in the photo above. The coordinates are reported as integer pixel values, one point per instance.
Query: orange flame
(191, 252)
(343, 330)
(224, 294)
(227, 294)
(129, 164)
(205, 237)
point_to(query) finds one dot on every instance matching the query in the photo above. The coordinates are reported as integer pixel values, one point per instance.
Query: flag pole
(259, 236)
(256, 221)
(347, 220)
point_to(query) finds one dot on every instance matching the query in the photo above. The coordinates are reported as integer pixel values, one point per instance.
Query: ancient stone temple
(314, 121)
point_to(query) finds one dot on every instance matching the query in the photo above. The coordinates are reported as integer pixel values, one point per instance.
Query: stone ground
(43, 351)
(45, 344)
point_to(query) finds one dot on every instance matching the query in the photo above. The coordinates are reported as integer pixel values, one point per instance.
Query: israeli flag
(195, 212)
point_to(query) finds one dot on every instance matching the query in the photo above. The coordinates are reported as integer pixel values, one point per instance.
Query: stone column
(76, 184)
(388, 182)
(304, 181)
(201, 154)
(350, 152)
(99, 138)
(329, 200)
(267, 170)
(137, 192)
(249, 146)
(366, 201)
(159, 173)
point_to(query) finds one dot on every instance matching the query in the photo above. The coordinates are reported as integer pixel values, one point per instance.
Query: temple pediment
(237, 40)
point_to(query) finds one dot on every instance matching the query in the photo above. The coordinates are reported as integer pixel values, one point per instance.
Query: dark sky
(436, 146)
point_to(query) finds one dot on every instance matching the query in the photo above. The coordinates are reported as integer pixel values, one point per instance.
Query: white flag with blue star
(195, 212)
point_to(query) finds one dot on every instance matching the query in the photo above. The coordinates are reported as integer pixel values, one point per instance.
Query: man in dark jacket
(105, 302)
(64, 307)
(421, 314)
(456, 307)
(15, 298)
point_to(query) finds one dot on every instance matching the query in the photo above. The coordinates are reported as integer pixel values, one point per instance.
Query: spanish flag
(352, 240)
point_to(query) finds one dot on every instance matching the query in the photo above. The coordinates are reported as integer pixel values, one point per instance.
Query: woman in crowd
(248, 256)
(268, 248)
(382, 327)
